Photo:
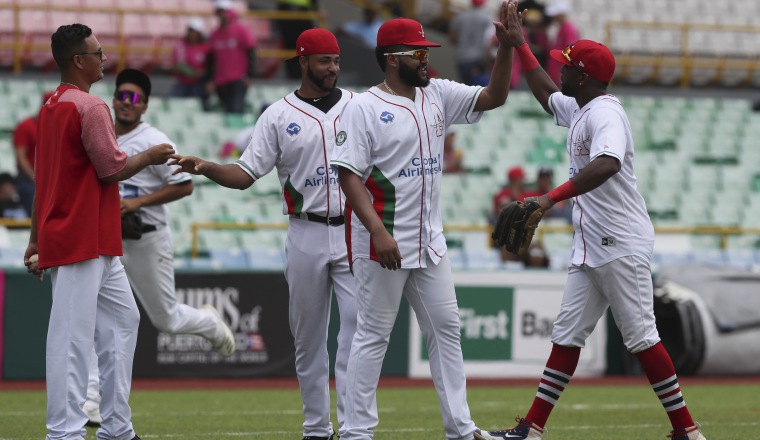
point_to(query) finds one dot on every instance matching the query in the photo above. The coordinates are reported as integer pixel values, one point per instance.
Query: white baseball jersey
(610, 221)
(396, 147)
(294, 136)
(151, 178)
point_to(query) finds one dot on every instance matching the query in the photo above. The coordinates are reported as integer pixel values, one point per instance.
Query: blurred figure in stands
(514, 190)
(365, 29)
(231, 63)
(290, 30)
(544, 184)
(190, 63)
(25, 145)
(536, 257)
(452, 156)
(567, 34)
(469, 31)
(10, 206)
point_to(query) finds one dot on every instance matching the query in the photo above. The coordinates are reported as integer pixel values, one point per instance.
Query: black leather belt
(148, 228)
(332, 221)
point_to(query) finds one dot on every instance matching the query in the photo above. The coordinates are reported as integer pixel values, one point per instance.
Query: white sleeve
(263, 150)
(607, 130)
(562, 107)
(458, 101)
(353, 144)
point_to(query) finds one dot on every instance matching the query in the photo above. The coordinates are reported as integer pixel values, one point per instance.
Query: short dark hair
(380, 52)
(67, 41)
(6, 178)
(136, 77)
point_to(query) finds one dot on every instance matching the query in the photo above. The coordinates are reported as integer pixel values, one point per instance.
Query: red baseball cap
(314, 41)
(403, 31)
(594, 59)
(515, 173)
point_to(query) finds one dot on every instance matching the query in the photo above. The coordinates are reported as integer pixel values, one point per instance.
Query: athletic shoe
(692, 433)
(313, 437)
(135, 438)
(226, 344)
(92, 410)
(524, 430)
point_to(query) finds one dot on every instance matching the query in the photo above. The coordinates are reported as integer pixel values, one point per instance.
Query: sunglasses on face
(98, 52)
(566, 53)
(419, 54)
(129, 96)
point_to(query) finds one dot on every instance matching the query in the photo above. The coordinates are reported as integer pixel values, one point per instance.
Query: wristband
(563, 192)
(528, 61)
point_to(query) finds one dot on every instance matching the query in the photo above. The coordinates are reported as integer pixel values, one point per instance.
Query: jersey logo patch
(608, 241)
(340, 138)
(387, 117)
(293, 129)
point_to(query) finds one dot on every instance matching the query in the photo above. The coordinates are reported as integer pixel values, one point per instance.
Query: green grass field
(726, 412)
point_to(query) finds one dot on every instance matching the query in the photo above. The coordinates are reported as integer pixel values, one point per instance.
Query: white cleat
(225, 345)
(92, 410)
(691, 433)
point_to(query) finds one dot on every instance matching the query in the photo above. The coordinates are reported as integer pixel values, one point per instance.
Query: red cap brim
(557, 55)
(422, 43)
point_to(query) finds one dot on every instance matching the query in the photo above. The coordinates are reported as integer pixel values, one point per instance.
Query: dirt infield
(385, 382)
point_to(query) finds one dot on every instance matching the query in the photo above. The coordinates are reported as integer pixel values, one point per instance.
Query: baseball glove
(516, 224)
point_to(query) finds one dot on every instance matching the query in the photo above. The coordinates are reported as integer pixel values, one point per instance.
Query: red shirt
(25, 136)
(78, 215)
(194, 55)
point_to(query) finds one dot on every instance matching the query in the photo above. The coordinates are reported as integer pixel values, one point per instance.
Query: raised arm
(358, 198)
(229, 175)
(495, 93)
(539, 82)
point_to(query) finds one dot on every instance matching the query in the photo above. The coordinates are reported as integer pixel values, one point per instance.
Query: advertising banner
(506, 324)
(255, 306)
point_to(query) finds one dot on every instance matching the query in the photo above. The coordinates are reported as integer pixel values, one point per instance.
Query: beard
(321, 82)
(127, 122)
(410, 76)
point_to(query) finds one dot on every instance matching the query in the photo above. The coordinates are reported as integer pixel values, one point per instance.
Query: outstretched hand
(188, 164)
(509, 30)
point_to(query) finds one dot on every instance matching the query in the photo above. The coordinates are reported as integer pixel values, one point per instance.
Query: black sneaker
(525, 430)
(313, 437)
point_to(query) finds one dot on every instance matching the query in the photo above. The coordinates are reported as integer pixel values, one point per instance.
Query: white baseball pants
(317, 264)
(430, 291)
(92, 305)
(624, 285)
(149, 263)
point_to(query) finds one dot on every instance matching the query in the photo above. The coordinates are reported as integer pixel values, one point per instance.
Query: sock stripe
(564, 377)
(665, 401)
(660, 384)
(550, 390)
(674, 405)
(670, 386)
(553, 381)
(547, 395)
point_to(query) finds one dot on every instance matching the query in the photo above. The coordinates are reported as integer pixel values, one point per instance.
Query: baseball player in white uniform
(149, 260)
(389, 154)
(296, 135)
(614, 236)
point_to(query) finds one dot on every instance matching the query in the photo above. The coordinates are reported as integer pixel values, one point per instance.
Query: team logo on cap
(293, 129)
(387, 117)
(302, 49)
(340, 138)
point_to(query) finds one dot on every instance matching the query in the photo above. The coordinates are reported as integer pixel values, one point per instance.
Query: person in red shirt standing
(189, 57)
(232, 59)
(25, 143)
(76, 232)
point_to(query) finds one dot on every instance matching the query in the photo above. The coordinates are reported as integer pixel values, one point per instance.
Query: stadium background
(688, 74)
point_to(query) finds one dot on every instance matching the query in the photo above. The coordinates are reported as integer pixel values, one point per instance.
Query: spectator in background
(10, 205)
(538, 36)
(231, 62)
(567, 34)
(544, 184)
(468, 31)
(514, 190)
(452, 156)
(536, 257)
(25, 144)
(290, 30)
(365, 29)
(189, 58)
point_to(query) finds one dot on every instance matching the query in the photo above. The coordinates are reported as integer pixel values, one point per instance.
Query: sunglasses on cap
(566, 53)
(129, 96)
(419, 54)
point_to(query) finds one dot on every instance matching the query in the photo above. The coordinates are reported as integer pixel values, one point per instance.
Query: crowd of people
(358, 172)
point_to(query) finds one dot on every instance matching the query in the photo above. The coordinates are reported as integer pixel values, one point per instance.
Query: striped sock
(662, 375)
(557, 374)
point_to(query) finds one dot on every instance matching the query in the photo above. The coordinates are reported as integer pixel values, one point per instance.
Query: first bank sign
(506, 321)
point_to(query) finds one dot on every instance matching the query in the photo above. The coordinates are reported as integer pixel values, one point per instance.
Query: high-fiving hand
(509, 30)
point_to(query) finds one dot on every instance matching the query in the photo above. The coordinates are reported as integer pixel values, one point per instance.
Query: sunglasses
(419, 54)
(566, 53)
(129, 96)
(98, 52)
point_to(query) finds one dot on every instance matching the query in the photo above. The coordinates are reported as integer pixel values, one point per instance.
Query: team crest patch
(387, 117)
(293, 129)
(340, 138)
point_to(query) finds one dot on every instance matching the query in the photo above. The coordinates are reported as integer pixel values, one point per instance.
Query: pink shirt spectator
(567, 35)
(194, 56)
(230, 46)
